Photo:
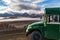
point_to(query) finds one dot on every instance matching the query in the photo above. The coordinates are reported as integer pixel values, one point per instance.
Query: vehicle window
(52, 18)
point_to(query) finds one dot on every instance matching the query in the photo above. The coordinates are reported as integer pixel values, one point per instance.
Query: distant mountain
(10, 14)
(5, 15)
(19, 14)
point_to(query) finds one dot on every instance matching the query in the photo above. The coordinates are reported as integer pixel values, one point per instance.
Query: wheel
(36, 35)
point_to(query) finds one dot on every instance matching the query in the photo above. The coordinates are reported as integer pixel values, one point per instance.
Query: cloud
(37, 1)
(7, 1)
(4, 9)
(30, 7)
(31, 1)
(31, 11)
(22, 5)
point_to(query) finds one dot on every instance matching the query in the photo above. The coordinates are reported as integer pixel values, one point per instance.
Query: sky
(29, 6)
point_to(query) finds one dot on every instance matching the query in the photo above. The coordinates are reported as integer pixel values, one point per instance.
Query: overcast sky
(30, 6)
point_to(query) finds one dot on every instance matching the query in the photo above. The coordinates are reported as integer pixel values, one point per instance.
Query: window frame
(52, 22)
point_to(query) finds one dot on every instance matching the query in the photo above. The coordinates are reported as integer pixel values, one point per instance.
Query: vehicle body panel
(49, 30)
(52, 31)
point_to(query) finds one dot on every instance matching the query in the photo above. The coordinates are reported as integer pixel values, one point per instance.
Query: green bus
(48, 28)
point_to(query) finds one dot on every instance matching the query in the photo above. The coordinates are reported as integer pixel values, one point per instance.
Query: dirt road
(13, 36)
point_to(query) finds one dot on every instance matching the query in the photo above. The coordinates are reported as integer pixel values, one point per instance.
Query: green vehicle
(48, 28)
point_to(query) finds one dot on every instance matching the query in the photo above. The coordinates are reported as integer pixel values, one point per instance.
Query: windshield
(52, 18)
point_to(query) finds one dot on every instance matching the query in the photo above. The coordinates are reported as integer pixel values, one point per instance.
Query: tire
(36, 35)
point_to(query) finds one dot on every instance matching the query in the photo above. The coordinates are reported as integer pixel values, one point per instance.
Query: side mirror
(25, 27)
